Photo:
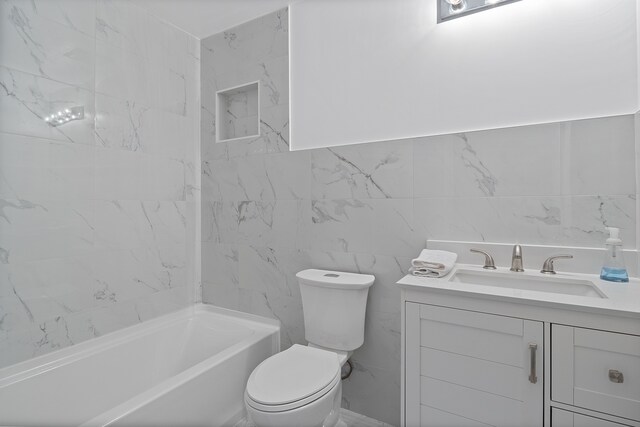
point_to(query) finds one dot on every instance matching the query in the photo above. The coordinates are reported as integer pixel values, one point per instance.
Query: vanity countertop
(621, 299)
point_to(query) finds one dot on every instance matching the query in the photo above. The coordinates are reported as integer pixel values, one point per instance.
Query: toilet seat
(292, 379)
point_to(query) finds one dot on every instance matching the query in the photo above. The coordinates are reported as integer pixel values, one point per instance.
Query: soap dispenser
(613, 268)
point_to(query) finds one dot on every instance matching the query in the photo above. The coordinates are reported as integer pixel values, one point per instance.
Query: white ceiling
(203, 18)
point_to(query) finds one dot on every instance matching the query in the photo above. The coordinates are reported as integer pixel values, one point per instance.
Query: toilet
(301, 386)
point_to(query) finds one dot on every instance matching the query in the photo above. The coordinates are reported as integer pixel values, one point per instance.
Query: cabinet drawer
(562, 418)
(596, 370)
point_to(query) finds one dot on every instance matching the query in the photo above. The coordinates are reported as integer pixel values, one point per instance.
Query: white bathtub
(184, 369)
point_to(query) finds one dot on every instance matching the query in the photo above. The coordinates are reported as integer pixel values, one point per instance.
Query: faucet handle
(547, 267)
(489, 264)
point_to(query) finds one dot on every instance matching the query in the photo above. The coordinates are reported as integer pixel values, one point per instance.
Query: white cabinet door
(596, 370)
(464, 368)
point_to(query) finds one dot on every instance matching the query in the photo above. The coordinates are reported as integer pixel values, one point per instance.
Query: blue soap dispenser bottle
(613, 268)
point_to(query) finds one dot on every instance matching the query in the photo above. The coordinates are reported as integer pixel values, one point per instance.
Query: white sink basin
(511, 280)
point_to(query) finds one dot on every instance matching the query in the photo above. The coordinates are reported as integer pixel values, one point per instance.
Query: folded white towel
(432, 263)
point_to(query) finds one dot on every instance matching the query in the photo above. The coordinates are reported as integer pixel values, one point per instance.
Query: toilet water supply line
(348, 374)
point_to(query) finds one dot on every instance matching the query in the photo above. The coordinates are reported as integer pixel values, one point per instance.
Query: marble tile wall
(97, 217)
(268, 213)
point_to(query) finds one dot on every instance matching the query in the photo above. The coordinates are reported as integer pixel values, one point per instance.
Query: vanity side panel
(412, 365)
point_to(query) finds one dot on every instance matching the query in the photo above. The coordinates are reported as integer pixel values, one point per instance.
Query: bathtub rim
(37, 365)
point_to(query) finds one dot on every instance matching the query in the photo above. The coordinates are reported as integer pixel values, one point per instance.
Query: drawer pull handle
(616, 376)
(532, 374)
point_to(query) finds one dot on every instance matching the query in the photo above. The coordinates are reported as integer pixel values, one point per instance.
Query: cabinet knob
(616, 376)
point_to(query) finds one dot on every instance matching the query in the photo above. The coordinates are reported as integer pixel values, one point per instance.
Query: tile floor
(352, 419)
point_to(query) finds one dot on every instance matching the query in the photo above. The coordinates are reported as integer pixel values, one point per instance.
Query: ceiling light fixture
(456, 6)
(451, 9)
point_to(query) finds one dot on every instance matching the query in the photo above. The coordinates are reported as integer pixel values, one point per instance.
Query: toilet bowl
(302, 386)
(299, 387)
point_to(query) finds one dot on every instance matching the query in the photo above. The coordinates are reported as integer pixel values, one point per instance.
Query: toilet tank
(334, 305)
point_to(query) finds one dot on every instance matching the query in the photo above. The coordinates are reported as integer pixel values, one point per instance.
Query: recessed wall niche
(238, 112)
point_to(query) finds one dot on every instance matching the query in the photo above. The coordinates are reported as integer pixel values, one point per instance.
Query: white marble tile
(341, 225)
(382, 343)
(532, 220)
(271, 73)
(38, 169)
(32, 40)
(137, 272)
(353, 419)
(121, 224)
(379, 170)
(394, 228)
(269, 223)
(271, 270)
(277, 223)
(19, 217)
(274, 128)
(124, 26)
(286, 309)
(19, 244)
(274, 81)
(93, 239)
(26, 100)
(119, 123)
(587, 217)
(524, 161)
(16, 345)
(162, 178)
(220, 265)
(220, 222)
(288, 174)
(374, 392)
(572, 221)
(268, 177)
(601, 156)
(270, 276)
(125, 175)
(350, 418)
(117, 174)
(227, 296)
(128, 76)
(73, 14)
(384, 294)
(252, 42)
(124, 75)
(145, 252)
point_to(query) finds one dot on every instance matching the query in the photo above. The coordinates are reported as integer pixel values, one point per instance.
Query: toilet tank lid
(335, 279)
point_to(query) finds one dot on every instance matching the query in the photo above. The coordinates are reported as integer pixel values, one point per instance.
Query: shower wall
(97, 217)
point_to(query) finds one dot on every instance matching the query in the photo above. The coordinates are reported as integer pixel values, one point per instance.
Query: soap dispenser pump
(613, 268)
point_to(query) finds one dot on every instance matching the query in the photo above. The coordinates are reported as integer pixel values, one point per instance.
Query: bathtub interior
(198, 340)
(76, 386)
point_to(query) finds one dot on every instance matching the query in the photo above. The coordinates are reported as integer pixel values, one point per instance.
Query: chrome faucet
(516, 259)
(547, 267)
(489, 264)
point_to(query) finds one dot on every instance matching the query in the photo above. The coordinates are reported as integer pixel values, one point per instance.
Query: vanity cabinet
(490, 357)
(472, 369)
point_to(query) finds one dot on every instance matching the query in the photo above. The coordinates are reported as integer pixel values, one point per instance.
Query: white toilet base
(324, 412)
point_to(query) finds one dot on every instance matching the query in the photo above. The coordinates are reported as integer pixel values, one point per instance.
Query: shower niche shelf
(238, 112)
